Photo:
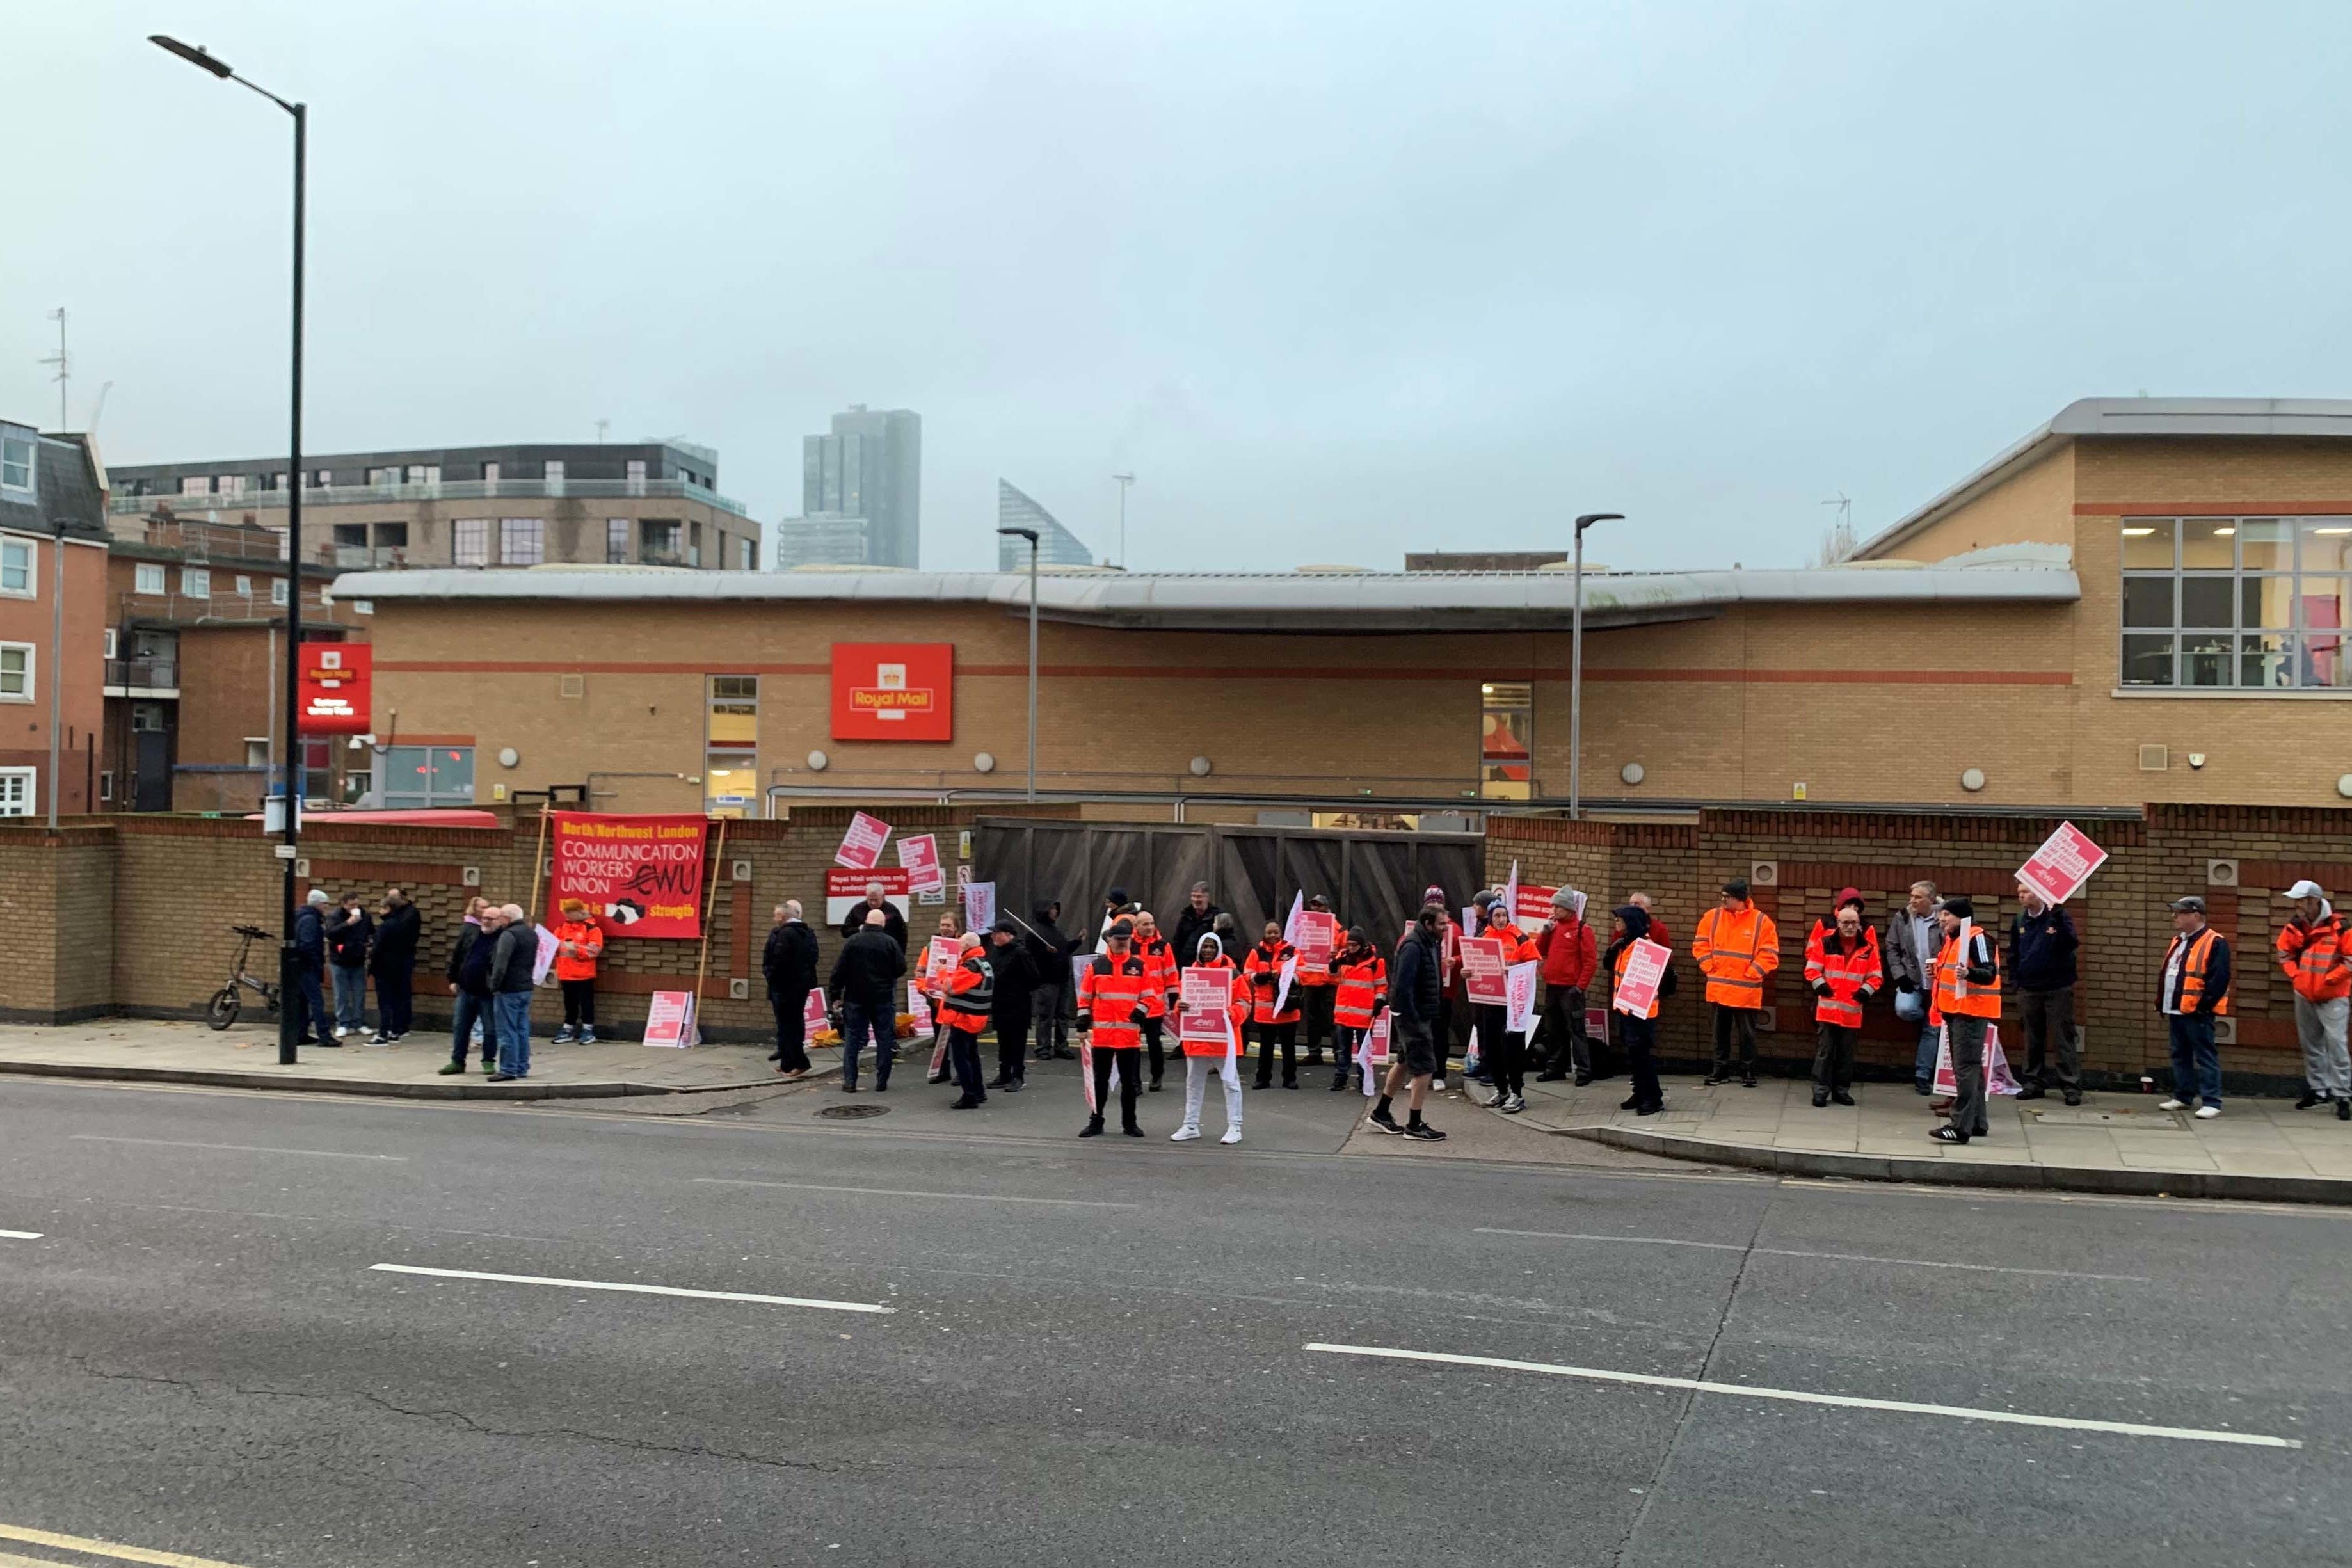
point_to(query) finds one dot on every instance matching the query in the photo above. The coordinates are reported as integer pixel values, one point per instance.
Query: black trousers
(579, 1003)
(1270, 1036)
(2049, 1019)
(1052, 1025)
(1833, 1058)
(792, 1030)
(1639, 1039)
(1315, 1014)
(1129, 1062)
(1566, 1047)
(393, 1001)
(964, 1057)
(1504, 1050)
(1441, 1037)
(1012, 1046)
(1154, 1049)
(1735, 1027)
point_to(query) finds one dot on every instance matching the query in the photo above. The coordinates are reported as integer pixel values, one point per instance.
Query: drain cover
(2149, 1120)
(851, 1112)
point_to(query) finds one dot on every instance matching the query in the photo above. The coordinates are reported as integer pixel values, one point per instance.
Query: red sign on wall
(335, 688)
(893, 691)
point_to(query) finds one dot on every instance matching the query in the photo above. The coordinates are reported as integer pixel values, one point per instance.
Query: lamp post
(1126, 482)
(1576, 669)
(1031, 535)
(287, 962)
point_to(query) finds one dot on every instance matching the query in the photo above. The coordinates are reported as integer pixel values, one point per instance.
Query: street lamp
(1031, 535)
(286, 964)
(1126, 482)
(1576, 668)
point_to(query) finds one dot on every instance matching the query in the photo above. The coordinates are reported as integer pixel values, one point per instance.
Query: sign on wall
(335, 684)
(639, 876)
(893, 691)
(845, 889)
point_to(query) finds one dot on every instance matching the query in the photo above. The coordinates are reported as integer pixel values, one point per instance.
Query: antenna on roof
(601, 426)
(1838, 543)
(64, 366)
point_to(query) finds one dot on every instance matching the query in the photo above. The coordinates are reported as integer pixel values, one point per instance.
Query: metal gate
(1375, 879)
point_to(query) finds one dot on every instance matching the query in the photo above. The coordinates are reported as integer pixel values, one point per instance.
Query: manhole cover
(2149, 1120)
(851, 1112)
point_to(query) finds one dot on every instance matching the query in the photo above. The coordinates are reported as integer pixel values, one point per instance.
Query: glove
(1086, 1021)
(1380, 1006)
(1141, 1014)
(1266, 980)
(1866, 992)
(1905, 985)
(1820, 987)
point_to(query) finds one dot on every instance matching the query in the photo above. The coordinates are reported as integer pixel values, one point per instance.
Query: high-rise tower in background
(861, 493)
(1056, 545)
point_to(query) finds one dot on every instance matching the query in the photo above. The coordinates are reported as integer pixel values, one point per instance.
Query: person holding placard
(1359, 993)
(1269, 973)
(1159, 992)
(1111, 1015)
(1504, 1047)
(1207, 1052)
(1736, 946)
(1637, 1029)
(1572, 956)
(2041, 948)
(1314, 983)
(1968, 1000)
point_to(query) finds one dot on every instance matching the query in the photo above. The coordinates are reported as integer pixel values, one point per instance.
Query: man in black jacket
(469, 985)
(1050, 953)
(1197, 920)
(2042, 945)
(349, 934)
(511, 962)
(1415, 993)
(312, 1024)
(864, 988)
(1017, 985)
(393, 961)
(893, 922)
(789, 965)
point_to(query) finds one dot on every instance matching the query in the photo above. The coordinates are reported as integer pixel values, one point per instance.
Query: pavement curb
(1974, 1173)
(459, 1087)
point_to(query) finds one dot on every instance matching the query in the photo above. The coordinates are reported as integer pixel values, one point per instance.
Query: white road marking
(105, 1549)
(1799, 1396)
(633, 1289)
(899, 1192)
(234, 1147)
(20, 1236)
(1831, 1257)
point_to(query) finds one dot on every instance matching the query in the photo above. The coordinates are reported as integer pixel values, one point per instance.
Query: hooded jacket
(788, 962)
(1416, 986)
(1049, 950)
(1637, 924)
(395, 941)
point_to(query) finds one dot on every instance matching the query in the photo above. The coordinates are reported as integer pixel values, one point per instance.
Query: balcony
(365, 557)
(143, 677)
(446, 491)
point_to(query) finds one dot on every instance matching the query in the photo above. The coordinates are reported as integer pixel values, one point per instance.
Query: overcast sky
(1335, 280)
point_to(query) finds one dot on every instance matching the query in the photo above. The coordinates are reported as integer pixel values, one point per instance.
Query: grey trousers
(2327, 1066)
(2050, 1016)
(1967, 1070)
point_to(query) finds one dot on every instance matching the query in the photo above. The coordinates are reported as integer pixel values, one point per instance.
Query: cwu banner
(639, 876)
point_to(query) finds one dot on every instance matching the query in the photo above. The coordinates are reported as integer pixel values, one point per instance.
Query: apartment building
(52, 505)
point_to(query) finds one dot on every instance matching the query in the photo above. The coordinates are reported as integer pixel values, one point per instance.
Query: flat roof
(1326, 600)
(2306, 418)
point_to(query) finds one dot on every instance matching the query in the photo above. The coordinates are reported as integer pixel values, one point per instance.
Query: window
(274, 482)
(17, 790)
(694, 545)
(657, 540)
(364, 606)
(418, 776)
(522, 541)
(16, 464)
(751, 549)
(469, 539)
(1506, 743)
(106, 784)
(731, 772)
(147, 717)
(147, 578)
(392, 535)
(383, 478)
(318, 761)
(277, 591)
(245, 587)
(16, 672)
(554, 471)
(257, 751)
(637, 476)
(350, 536)
(196, 485)
(106, 638)
(230, 485)
(616, 541)
(18, 558)
(490, 473)
(423, 473)
(2252, 604)
(195, 583)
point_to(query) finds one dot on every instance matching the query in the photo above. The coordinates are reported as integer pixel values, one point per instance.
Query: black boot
(1093, 1129)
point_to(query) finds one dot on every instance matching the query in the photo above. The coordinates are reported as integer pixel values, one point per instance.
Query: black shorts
(1409, 1038)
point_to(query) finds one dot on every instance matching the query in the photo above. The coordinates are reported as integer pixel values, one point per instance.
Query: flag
(1511, 895)
(1297, 908)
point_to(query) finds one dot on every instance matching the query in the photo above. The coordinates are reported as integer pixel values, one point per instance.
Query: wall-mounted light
(1631, 772)
(1972, 779)
(818, 761)
(509, 756)
(2196, 759)
(983, 763)
(1200, 766)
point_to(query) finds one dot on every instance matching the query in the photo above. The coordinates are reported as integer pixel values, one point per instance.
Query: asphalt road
(1101, 1351)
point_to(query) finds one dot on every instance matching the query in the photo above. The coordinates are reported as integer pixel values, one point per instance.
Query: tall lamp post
(288, 989)
(1576, 669)
(1031, 535)
(1126, 482)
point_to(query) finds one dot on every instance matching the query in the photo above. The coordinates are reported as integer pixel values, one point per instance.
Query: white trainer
(1233, 1135)
(2172, 1105)
(2207, 1112)
(1184, 1135)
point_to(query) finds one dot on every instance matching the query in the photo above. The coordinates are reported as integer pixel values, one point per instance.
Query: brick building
(52, 501)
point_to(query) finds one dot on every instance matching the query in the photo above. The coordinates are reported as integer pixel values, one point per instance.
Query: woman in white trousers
(1202, 1057)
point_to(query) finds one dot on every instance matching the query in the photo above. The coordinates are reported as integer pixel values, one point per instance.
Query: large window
(1506, 740)
(522, 541)
(730, 771)
(2257, 604)
(16, 672)
(469, 541)
(418, 776)
(658, 539)
(17, 564)
(616, 541)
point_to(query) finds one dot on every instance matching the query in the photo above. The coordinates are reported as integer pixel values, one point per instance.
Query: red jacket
(1572, 954)
(2312, 956)
(587, 940)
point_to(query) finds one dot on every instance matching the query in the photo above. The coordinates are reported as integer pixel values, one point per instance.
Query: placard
(978, 906)
(940, 959)
(861, 847)
(669, 1019)
(544, 959)
(1520, 991)
(920, 1007)
(1318, 938)
(1372, 1051)
(639, 876)
(1646, 969)
(919, 856)
(2065, 862)
(1482, 980)
(845, 889)
(1534, 906)
(1208, 998)
(812, 1014)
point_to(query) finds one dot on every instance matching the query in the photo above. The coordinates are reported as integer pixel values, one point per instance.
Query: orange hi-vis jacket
(1847, 975)
(1617, 975)
(971, 993)
(2196, 972)
(2313, 958)
(1363, 983)
(1108, 995)
(1262, 973)
(1237, 1012)
(1983, 997)
(587, 940)
(1159, 974)
(1736, 949)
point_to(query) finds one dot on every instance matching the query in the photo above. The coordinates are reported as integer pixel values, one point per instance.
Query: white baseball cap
(2306, 888)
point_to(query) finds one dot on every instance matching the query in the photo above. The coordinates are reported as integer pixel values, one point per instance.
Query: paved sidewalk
(246, 1057)
(2110, 1144)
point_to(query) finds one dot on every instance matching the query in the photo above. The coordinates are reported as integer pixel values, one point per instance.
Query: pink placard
(939, 959)
(1482, 978)
(1318, 939)
(1208, 996)
(669, 1019)
(920, 857)
(2063, 863)
(861, 847)
(813, 1015)
(1637, 990)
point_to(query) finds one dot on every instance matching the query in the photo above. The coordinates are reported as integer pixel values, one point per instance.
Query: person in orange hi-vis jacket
(1736, 946)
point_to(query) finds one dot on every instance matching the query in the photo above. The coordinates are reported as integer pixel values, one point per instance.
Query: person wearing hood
(2042, 945)
(1050, 953)
(1117, 906)
(1843, 968)
(1017, 985)
(1360, 994)
(2310, 951)
(1202, 1057)
(1637, 1032)
(1197, 920)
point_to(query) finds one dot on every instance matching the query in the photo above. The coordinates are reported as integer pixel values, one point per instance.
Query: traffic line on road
(632, 1290)
(1801, 1396)
(901, 1192)
(103, 1549)
(234, 1147)
(1830, 1257)
(20, 1236)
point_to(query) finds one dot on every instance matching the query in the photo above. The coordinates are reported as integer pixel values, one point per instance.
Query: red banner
(893, 691)
(335, 682)
(639, 876)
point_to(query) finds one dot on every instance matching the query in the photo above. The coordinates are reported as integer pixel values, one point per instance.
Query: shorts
(1409, 1038)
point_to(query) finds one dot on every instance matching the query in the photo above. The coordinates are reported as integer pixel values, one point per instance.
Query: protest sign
(845, 889)
(1482, 972)
(861, 847)
(1998, 1078)
(939, 959)
(669, 1019)
(544, 959)
(1372, 1052)
(639, 876)
(919, 858)
(1637, 989)
(1318, 938)
(920, 1007)
(1208, 997)
(1282, 987)
(1534, 906)
(978, 906)
(812, 1015)
(1520, 991)
(2065, 862)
